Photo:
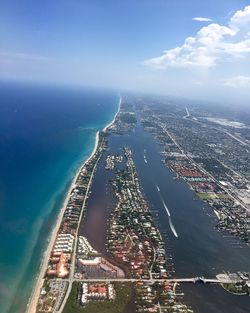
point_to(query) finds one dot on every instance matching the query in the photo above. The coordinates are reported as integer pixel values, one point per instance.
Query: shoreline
(112, 122)
(32, 303)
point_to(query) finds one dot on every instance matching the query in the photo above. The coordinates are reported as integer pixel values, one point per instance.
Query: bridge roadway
(169, 280)
(218, 280)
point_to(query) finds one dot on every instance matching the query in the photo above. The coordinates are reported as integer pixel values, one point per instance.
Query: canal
(188, 225)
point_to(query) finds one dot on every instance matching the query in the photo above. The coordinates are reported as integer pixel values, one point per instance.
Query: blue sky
(193, 48)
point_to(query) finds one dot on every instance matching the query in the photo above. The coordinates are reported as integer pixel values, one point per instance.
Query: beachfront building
(63, 243)
(59, 265)
(96, 292)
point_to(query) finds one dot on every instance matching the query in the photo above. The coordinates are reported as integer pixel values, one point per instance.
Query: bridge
(223, 280)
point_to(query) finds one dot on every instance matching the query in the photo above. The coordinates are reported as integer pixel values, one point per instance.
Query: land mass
(134, 267)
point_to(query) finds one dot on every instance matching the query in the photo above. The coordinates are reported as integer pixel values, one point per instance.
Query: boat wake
(145, 159)
(163, 202)
(172, 227)
(165, 207)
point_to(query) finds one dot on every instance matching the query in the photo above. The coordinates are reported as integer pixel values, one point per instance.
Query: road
(220, 279)
(167, 280)
(175, 281)
(72, 268)
(227, 191)
(188, 114)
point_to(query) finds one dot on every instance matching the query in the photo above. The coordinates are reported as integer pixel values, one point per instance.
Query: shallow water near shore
(46, 133)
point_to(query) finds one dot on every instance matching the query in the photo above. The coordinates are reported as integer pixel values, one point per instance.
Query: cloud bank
(211, 44)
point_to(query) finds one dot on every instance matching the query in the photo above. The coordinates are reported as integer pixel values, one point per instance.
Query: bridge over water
(225, 280)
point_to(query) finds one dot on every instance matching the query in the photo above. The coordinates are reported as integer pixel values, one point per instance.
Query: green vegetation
(123, 293)
(238, 288)
(127, 117)
(148, 124)
(222, 196)
(206, 196)
(213, 166)
(213, 195)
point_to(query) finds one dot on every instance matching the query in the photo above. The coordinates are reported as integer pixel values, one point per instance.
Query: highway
(72, 267)
(188, 114)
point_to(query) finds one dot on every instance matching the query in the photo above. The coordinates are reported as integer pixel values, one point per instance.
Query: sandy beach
(31, 306)
(112, 122)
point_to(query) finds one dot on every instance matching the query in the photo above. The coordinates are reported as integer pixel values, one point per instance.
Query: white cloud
(211, 44)
(238, 81)
(241, 18)
(202, 19)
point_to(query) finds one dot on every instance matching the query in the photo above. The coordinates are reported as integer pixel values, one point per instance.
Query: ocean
(46, 132)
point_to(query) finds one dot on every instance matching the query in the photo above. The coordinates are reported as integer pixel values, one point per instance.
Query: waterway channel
(188, 225)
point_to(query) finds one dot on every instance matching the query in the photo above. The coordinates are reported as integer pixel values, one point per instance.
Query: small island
(239, 285)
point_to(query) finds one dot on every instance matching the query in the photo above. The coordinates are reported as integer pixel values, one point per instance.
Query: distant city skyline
(192, 49)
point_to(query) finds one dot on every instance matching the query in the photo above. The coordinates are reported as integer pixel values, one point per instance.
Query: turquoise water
(45, 135)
